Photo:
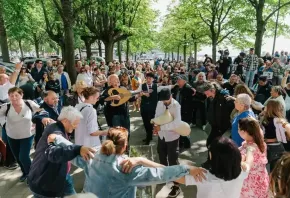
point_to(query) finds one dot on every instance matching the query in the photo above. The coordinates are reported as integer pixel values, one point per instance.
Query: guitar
(124, 94)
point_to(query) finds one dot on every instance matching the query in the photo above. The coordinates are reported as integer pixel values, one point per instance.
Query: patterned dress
(257, 183)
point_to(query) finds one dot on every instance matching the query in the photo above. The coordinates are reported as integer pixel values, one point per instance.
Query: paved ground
(10, 187)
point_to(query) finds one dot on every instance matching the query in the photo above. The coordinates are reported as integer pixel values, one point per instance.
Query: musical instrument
(182, 129)
(124, 94)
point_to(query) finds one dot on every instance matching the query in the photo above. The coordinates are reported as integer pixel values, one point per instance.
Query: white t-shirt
(87, 126)
(4, 90)
(214, 187)
(19, 125)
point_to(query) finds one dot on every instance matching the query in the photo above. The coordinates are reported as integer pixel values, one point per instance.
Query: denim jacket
(104, 176)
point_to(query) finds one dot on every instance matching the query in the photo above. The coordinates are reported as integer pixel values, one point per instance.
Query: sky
(282, 43)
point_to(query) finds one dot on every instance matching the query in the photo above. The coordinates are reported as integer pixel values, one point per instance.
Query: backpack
(9, 106)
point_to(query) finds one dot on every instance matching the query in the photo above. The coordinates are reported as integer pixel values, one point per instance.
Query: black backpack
(9, 106)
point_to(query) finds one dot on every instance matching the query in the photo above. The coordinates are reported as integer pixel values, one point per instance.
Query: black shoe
(23, 178)
(11, 166)
(175, 191)
(145, 140)
(206, 165)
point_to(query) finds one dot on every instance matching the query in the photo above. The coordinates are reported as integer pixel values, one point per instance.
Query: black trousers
(274, 153)
(199, 106)
(215, 133)
(168, 152)
(146, 117)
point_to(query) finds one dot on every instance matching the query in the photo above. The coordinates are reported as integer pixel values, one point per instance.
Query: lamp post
(276, 27)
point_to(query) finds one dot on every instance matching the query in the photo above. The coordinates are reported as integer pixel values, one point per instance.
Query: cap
(182, 77)
(263, 78)
(150, 74)
(164, 94)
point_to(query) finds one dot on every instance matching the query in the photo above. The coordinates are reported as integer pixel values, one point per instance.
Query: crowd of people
(249, 97)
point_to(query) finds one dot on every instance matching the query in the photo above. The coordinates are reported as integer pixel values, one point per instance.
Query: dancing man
(168, 140)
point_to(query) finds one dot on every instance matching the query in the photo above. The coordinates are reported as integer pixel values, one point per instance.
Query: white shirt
(87, 126)
(4, 90)
(214, 187)
(19, 126)
(167, 129)
(87, 77)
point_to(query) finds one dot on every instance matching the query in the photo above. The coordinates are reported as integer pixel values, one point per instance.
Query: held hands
(198, 173)
(51, 138)
(46, 121)
(130, 163)
(145, 94)
(228, 98)
(87, 153)
(156, 129)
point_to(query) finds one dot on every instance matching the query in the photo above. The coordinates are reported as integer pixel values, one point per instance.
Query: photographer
(224, 63)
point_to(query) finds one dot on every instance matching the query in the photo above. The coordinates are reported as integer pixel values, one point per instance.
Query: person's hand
(145, 94)
(228, 98)
(87, 153)
(156, 128)
(105, 132)
(18, 66)
(130, 163)
(46, 121)
(286, 73)
(194, 91)
(198, 173)
(51, 138)
(116, 97)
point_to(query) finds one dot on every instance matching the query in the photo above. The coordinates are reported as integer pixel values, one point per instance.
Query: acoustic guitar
(124, 94)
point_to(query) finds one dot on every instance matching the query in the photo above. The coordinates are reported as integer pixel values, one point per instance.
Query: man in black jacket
(52, 107)
(219, 111)
(183, 94)
(49, 173)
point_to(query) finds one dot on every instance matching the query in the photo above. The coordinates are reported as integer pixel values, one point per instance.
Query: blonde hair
(79, 85)
(116, 141)
(200, 73)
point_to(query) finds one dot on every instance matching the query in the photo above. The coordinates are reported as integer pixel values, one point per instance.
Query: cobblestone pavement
(10, 187)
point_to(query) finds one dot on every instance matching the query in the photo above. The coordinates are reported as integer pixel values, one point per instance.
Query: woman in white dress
(24, 77)
(87, 132)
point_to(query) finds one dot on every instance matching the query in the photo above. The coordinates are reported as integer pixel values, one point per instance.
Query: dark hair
(38, 60)
(15, 89)
(89, 91)
(281, 173)
(243, 88)
(222, 149)
(116, 140)
(252, 127)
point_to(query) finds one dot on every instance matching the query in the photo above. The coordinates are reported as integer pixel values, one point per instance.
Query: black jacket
(219, 111)
(48, 171)
(149, 104)
(37, 76)
(53, 85)
(185, 100)
(263, 93)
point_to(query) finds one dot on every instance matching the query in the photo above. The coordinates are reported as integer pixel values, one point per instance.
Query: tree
(3, 35)
(111, 21)
(261, 7)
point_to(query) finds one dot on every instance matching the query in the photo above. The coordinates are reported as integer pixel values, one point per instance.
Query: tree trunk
(61, 50)
(172, 56)
(100, 48)
(184, 49)
(260, 30)
(3, 36)
(135, 57)
(195, 52)
(178, 53)
(214, 52)
(69, 38)
(109, 48)
(36, 45)
(127, 50)
(80, 52)
(119, 51)
(88, 48)
(20, 48)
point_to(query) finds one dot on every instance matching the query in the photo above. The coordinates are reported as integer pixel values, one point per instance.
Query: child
(253, 151)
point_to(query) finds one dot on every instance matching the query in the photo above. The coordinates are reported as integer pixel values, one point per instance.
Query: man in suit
(183, 95)
(149, 99)
(52, 107)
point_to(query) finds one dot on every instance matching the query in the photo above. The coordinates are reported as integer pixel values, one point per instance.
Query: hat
(164, 94)
(182, 77)
(252, 49)
(263, 78)
(150, 74)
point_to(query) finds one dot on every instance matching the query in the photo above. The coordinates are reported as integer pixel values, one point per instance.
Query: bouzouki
(124, 94)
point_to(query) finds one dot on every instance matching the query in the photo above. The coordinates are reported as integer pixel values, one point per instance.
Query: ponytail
(108, 148)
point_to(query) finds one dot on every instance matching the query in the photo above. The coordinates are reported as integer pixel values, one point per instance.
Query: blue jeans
(250, 78)
(21, 150)
(68, 188)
